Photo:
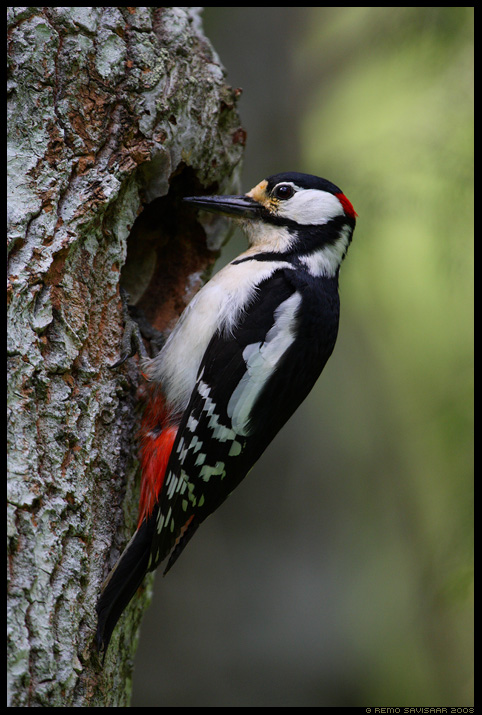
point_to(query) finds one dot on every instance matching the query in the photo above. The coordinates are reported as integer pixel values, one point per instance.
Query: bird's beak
(236, 206)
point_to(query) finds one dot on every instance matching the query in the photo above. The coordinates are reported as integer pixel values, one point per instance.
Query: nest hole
(167, 255)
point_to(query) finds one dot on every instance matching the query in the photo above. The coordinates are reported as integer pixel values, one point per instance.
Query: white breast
(218, 305)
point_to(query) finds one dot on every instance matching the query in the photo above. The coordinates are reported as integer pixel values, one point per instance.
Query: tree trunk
(113, 115)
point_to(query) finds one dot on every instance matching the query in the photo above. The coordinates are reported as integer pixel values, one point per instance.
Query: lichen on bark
(113, 115)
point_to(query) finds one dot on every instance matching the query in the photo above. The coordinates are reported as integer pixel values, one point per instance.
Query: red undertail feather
(157, 439)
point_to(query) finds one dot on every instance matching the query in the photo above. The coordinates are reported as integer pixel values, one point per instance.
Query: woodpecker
(244, 354)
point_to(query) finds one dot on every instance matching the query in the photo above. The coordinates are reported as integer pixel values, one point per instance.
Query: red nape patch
(157, 440)
(347, 205)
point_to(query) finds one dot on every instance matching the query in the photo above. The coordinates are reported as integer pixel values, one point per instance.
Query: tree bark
(113, 115)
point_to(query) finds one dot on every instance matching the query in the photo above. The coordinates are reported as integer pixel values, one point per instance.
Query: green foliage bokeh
(355, 529)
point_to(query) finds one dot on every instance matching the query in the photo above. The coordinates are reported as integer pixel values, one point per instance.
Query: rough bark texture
(113, 114)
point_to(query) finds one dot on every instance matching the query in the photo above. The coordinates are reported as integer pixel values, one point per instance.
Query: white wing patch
(261, 361)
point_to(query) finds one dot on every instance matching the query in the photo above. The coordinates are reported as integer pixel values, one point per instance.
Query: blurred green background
(340, 572)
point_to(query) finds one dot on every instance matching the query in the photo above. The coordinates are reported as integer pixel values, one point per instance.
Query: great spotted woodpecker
(243, 356)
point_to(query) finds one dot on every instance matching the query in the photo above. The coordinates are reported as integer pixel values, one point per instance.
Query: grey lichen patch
(111, 56)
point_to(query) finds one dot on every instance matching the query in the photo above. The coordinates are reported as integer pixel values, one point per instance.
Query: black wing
(250, 382)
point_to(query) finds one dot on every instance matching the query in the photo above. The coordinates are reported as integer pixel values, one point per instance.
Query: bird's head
(291, 213)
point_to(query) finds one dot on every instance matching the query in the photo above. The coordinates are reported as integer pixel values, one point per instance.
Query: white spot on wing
(235, 449)
(192, 423)
(207, 471)
(200, 459)
(261, 362)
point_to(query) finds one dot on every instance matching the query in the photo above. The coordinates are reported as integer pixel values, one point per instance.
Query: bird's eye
(283, 191)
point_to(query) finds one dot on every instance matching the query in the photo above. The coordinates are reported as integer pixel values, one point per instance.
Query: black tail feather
(122, 583)
(181, 544)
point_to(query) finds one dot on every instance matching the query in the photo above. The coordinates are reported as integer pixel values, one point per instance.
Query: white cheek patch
(262, 360)
(310, 207)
